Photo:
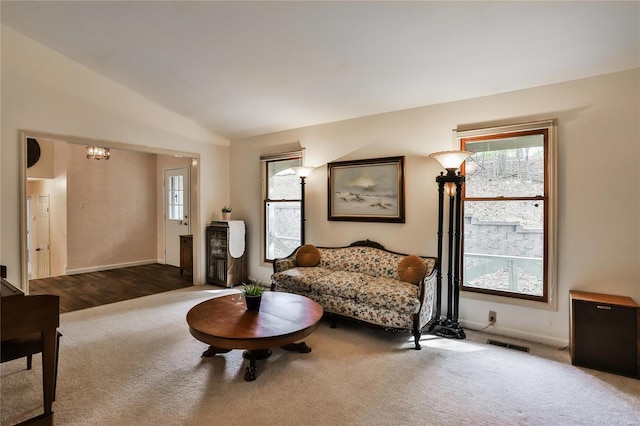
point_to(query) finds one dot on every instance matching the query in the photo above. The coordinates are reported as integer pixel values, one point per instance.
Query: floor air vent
(508, 345)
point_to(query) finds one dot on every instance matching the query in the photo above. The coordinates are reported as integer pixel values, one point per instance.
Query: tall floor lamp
(451, 183)
(303, 172)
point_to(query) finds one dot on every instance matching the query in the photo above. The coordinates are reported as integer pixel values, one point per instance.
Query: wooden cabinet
(186, 253)
(222, 268)
(604, 333)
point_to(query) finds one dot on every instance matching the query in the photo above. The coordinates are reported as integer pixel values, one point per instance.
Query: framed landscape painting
(367, 190)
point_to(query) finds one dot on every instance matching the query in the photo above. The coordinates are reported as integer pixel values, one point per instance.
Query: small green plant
(253, 289)
(226, 209)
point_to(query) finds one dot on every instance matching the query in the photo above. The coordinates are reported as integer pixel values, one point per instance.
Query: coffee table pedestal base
(254, 355)
(213, 351)
(259, 354)
(297, 347)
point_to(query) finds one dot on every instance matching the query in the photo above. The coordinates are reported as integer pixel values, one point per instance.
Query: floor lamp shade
(451, 160)
(303, 171)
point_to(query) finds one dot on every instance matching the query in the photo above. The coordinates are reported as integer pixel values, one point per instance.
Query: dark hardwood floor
(83, 291)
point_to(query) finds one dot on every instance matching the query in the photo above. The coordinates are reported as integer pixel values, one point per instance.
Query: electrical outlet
(492, 317)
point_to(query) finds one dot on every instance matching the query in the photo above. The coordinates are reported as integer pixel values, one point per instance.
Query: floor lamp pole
(449, 326)
(302, 212)
(457, 250)
(450, 260)
(303, 172)
(439, 272)
(451, 183)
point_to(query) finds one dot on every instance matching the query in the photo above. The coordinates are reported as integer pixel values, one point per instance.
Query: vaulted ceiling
(248, 68)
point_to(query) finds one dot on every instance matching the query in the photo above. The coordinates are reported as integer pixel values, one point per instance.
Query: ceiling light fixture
(98, 152)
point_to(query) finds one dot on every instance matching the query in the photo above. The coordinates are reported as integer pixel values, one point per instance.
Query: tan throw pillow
(308, 255)
(412, 269)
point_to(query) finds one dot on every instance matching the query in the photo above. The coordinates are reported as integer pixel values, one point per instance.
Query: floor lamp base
(447, 328)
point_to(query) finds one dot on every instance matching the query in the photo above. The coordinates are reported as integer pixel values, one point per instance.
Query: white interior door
(42, 247)
(31, 252)
(176, 212)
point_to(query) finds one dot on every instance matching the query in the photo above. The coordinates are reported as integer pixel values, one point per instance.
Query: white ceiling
(248, 68)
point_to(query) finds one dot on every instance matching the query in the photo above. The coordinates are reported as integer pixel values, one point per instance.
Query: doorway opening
(89, 214)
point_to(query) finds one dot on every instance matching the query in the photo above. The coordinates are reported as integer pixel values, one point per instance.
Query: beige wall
(42, 91)
(111, 209)
(599, 186)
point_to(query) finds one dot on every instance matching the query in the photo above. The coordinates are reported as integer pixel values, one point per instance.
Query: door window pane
(176, 197)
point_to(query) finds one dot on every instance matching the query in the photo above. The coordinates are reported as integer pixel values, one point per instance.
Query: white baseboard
(516, 334)
(107, 267)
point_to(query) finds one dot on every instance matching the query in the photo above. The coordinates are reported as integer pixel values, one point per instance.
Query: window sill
(551, 305)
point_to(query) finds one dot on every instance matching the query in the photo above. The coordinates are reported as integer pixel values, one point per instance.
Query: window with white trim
(509, 212)
(282, 203)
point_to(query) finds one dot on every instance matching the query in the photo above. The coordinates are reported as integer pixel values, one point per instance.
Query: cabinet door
(186, 254)
(217, 255)
(605, 337)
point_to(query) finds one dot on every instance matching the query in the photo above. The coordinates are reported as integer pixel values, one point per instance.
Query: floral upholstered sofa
(363, 281)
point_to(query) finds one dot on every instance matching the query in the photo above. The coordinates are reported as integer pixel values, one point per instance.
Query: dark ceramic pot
(253, 302)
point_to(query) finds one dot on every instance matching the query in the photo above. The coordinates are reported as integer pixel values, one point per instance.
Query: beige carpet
(134, 362)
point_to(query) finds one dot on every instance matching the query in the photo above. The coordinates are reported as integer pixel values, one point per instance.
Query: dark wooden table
(225, 324)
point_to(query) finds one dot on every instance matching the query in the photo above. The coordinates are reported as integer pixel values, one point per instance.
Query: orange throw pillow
(412, 269)
(308, 255)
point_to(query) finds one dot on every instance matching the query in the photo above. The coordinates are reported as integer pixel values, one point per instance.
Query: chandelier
(98, 152)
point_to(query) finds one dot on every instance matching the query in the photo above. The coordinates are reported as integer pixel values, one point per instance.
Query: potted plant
(253, 295)
(226, 213)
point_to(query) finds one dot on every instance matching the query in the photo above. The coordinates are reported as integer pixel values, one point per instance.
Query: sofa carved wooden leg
(416, 338)
(417, 332)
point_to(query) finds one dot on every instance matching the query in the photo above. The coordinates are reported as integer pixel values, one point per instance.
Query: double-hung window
(282, 202)
(509, 205)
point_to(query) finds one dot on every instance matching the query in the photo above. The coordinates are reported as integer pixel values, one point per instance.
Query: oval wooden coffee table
(225, 324)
